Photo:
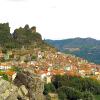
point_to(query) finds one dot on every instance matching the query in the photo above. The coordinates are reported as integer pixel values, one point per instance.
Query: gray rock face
(33, 85)
(23, 93)
(24, 90)
(26, 86)
(8, 91)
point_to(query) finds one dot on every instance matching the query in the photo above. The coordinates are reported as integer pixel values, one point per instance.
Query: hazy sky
(54, 19)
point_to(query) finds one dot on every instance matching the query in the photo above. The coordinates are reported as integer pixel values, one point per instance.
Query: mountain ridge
(87, 48)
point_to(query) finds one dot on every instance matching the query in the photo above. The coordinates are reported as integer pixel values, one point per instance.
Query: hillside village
(45, 64)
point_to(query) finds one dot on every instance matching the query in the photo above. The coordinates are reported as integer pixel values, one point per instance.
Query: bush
(69, 93)
(48, 88)
(5, 77)
(88, 96)
(34, 57)
(62, 95)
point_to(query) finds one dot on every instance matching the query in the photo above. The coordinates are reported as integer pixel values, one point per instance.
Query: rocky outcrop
(26, 35)
(31, 85)
(8, 91)
(26, 86)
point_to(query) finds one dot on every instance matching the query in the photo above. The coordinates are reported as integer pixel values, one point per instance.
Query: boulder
(30, 85)
(24, 90)
(8, 91)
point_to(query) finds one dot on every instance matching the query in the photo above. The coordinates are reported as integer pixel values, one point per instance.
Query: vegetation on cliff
(26, 35)
(21, 37)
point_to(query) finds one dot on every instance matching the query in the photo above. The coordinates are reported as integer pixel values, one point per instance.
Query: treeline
(73, 88)
(20, 37)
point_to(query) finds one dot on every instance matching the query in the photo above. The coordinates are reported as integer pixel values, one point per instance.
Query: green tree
(70, 93)
(49, 88)
(88, 96)
(79, 83)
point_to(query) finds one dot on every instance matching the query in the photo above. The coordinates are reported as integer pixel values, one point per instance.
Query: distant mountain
(87, 48)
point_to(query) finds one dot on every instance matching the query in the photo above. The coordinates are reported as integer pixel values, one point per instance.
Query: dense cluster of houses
(49, 63)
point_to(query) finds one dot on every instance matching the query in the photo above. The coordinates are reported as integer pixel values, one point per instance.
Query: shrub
(5, 77)
(88, 96)
(48, 88)
(69, 93)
